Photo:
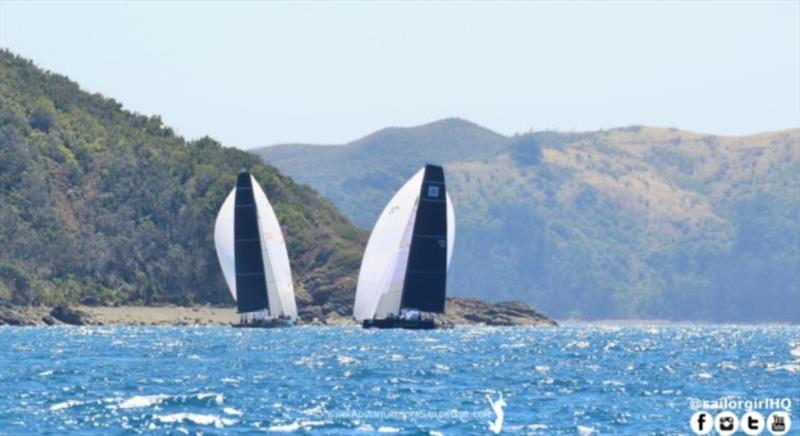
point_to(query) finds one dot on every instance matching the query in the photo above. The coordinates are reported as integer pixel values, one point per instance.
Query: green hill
(627, 223)
(103, 206)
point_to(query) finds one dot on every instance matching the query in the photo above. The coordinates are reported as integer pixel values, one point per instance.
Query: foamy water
(339, 380)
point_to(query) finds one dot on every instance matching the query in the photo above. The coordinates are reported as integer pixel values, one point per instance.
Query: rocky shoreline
(458, 312)
(510, 313)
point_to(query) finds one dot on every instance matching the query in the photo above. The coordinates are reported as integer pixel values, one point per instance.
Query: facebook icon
(701, 422)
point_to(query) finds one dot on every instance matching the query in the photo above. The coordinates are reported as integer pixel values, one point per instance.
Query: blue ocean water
(581, 379)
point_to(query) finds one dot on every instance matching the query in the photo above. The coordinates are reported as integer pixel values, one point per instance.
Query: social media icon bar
(726, 423)
(779, 423)
(701, 422)
(752, 423)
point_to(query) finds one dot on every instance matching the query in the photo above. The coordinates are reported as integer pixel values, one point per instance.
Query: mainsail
(426, 273)
(409, 250)
(252, 252)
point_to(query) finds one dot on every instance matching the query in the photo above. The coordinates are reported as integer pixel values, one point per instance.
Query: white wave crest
(218, 398)
(64, 405)
(232, 411)
(196, 418)
(346, 360)
(297, 425)
(789, 367)
(140, 401)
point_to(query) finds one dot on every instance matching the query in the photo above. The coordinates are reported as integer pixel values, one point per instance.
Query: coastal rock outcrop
(10, 316)
(458, 311)
(69, 315)
(509, 313)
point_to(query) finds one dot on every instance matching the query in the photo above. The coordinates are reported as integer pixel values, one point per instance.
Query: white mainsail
(383, 267)
(280, 288)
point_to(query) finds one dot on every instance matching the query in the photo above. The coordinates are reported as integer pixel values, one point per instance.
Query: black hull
(265, 324)
(411, 324)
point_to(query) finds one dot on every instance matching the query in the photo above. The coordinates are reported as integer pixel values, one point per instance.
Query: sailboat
(253, 257)
(403, 276)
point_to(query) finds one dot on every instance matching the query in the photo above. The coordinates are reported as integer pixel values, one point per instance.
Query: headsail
(252, 252)
(385, 265)
(276, 258)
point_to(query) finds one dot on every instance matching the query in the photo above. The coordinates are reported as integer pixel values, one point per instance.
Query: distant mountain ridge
(633, 222)
(386, 154)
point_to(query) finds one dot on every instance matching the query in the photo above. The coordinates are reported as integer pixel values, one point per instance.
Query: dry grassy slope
(679, 182)
(676, 182)
(663, 188)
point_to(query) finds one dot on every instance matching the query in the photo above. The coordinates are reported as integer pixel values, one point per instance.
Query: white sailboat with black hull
(253, 257)
(403, 278)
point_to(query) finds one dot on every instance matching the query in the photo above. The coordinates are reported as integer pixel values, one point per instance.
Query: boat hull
(410, 324)
(265, 324)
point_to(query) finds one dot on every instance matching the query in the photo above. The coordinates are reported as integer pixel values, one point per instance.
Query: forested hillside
(103, 206)
(626, 223)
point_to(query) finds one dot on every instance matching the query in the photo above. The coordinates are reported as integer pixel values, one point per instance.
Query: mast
(251, 284)
(425, 281)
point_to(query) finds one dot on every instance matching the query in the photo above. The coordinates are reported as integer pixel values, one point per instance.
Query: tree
(526, 149)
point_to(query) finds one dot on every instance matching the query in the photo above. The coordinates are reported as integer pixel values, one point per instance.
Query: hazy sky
(255, 74)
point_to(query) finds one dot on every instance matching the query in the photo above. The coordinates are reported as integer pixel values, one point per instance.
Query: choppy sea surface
(582, 379)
